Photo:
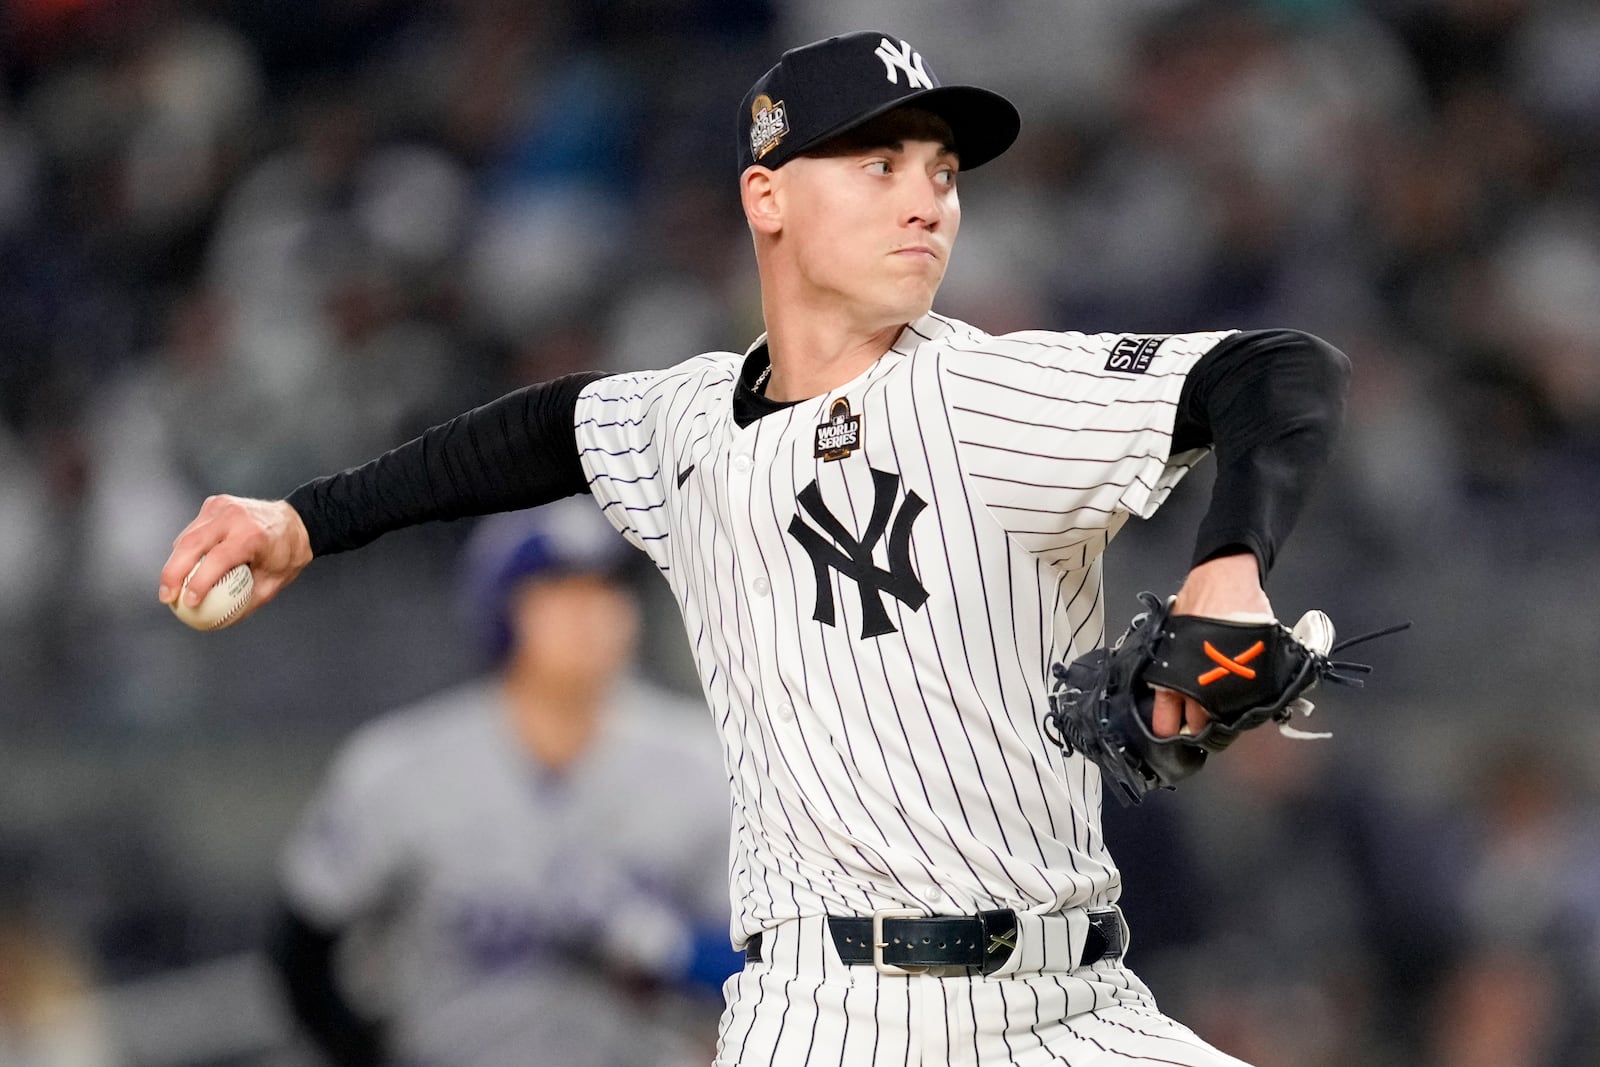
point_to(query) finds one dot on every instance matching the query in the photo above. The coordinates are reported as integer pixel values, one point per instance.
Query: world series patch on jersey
(875, 583)
(841, 434)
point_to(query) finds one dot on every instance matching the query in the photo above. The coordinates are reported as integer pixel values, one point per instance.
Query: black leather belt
(904, 941)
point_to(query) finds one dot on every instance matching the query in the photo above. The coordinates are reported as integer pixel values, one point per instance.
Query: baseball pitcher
(885, 528)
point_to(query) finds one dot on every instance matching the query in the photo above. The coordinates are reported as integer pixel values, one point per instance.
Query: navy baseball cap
(823, 89)
(569, 537)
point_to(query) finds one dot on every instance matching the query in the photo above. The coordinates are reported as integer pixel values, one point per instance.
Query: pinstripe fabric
(881, 724)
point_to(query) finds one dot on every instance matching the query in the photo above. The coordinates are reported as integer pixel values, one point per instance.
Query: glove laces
(1346, 672)
(1343, 672)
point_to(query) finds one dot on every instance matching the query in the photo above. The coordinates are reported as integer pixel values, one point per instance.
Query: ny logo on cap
(903, 59)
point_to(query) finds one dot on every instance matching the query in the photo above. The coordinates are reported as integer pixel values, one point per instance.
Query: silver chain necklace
(761, 381)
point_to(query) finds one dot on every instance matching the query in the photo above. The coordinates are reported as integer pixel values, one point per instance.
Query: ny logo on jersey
(852, 556)
(903, 59)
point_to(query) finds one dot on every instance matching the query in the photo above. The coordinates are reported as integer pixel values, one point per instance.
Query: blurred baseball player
(882, 527)
(526, 869)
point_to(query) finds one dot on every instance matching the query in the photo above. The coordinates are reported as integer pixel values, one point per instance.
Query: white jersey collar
(926, 328)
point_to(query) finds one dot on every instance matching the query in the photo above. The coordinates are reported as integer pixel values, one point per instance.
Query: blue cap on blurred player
(563, 538)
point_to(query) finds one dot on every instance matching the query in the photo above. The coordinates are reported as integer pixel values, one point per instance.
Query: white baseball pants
(801, 1007)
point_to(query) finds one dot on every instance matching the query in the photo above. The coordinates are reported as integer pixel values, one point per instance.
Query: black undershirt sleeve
(1270, 404)
(304, 956)
(515, 452)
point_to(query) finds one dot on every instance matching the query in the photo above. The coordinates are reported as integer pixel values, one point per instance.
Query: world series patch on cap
(820, 90)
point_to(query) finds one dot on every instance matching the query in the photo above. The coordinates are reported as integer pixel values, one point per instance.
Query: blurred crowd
(242, 244)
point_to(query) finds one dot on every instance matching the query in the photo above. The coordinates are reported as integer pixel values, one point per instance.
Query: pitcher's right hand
(267, 534)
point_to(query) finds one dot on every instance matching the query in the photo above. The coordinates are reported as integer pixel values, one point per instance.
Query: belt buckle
(879, 944)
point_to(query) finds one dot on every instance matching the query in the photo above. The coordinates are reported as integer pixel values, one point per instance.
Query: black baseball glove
(1243, 673)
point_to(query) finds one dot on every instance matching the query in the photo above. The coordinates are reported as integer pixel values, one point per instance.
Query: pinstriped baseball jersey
(875, 582)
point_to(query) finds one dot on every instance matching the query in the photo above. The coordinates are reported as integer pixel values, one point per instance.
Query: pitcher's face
(869, 219)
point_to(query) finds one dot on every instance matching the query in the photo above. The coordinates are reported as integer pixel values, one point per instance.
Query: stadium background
(244, 243)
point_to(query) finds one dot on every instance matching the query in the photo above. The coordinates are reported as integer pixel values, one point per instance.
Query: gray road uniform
(495, 904)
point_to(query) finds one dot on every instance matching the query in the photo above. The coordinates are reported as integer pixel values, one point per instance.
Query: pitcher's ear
(758, 191)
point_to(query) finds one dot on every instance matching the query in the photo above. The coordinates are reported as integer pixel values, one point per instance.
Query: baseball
(221, 606)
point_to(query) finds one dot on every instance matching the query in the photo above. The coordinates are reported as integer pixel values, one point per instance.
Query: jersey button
(786, 712)
(761, 586)
(741, 463)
